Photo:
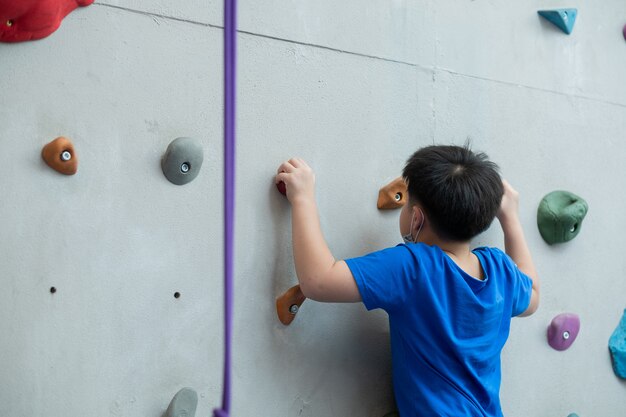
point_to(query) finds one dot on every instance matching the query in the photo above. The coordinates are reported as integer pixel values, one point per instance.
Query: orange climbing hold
(60, 156)
(392, 195)
(288, 304)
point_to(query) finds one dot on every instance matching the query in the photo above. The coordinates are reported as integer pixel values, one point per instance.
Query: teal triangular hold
(564, 19)
(617, 347)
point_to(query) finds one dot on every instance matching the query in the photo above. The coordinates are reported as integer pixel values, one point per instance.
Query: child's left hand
(299, 180)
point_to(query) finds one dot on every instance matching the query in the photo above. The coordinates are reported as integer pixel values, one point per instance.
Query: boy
(449, 307)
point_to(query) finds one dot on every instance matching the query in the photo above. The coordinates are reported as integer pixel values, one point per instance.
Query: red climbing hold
(28, 20)
(282, 188)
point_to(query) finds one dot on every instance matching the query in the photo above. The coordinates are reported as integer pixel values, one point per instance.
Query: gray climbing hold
(183, 404)
(617, 347)
(182, 160)
(560, 216)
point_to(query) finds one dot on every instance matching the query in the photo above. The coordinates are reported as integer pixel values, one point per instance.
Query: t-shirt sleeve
(385, 277)
(521, 288)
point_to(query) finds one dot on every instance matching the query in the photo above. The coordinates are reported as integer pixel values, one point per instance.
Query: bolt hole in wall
(53, 290)
(176, 294)
(66, 156)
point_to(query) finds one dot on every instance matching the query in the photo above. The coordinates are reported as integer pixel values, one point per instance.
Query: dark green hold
(182, 160)
(560, 216)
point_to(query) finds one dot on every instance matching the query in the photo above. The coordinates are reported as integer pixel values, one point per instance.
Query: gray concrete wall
(353, 87)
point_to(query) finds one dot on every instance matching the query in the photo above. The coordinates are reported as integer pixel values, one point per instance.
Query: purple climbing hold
(624, 32)
(563, 330)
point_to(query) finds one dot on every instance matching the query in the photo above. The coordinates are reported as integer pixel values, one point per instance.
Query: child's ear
(420, 218)
(415, 212)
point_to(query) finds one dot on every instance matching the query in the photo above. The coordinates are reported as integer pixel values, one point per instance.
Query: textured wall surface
(353, 88)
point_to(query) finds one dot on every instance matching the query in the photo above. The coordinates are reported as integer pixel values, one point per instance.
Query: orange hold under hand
(288, 304)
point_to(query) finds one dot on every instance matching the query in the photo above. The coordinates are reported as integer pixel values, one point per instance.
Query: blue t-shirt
(447, 328)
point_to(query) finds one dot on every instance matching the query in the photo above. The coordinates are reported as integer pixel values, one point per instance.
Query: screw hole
(53, 290)
(66, 156)
(398, 197)
(573, 228)
(185, 167)
(176, 294)
(293, 309)
(9, 23)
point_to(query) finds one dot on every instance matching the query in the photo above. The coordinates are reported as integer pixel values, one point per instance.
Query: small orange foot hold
(288, 304)
(60, 156)
(392, 195)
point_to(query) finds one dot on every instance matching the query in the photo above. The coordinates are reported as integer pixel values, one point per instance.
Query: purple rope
(230, 51)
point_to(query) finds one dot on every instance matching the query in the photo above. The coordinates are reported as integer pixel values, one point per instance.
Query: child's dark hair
(459, 190)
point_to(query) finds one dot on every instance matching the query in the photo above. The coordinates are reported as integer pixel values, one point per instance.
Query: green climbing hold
(617, 347)
(560, 216)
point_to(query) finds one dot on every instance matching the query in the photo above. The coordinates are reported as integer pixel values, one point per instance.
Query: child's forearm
(312, 257)
(516, 247)
(515, 242)
(320, 277)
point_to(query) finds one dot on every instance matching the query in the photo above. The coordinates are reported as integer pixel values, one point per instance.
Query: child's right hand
(299, 180)
(510, 203)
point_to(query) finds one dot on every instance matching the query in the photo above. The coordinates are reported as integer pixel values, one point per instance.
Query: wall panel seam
(329, 48)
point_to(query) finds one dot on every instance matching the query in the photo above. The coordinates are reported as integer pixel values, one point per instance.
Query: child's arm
(321, 277)
(515, 243)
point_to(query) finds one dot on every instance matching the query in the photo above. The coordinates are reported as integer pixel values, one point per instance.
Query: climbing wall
(112, 277)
